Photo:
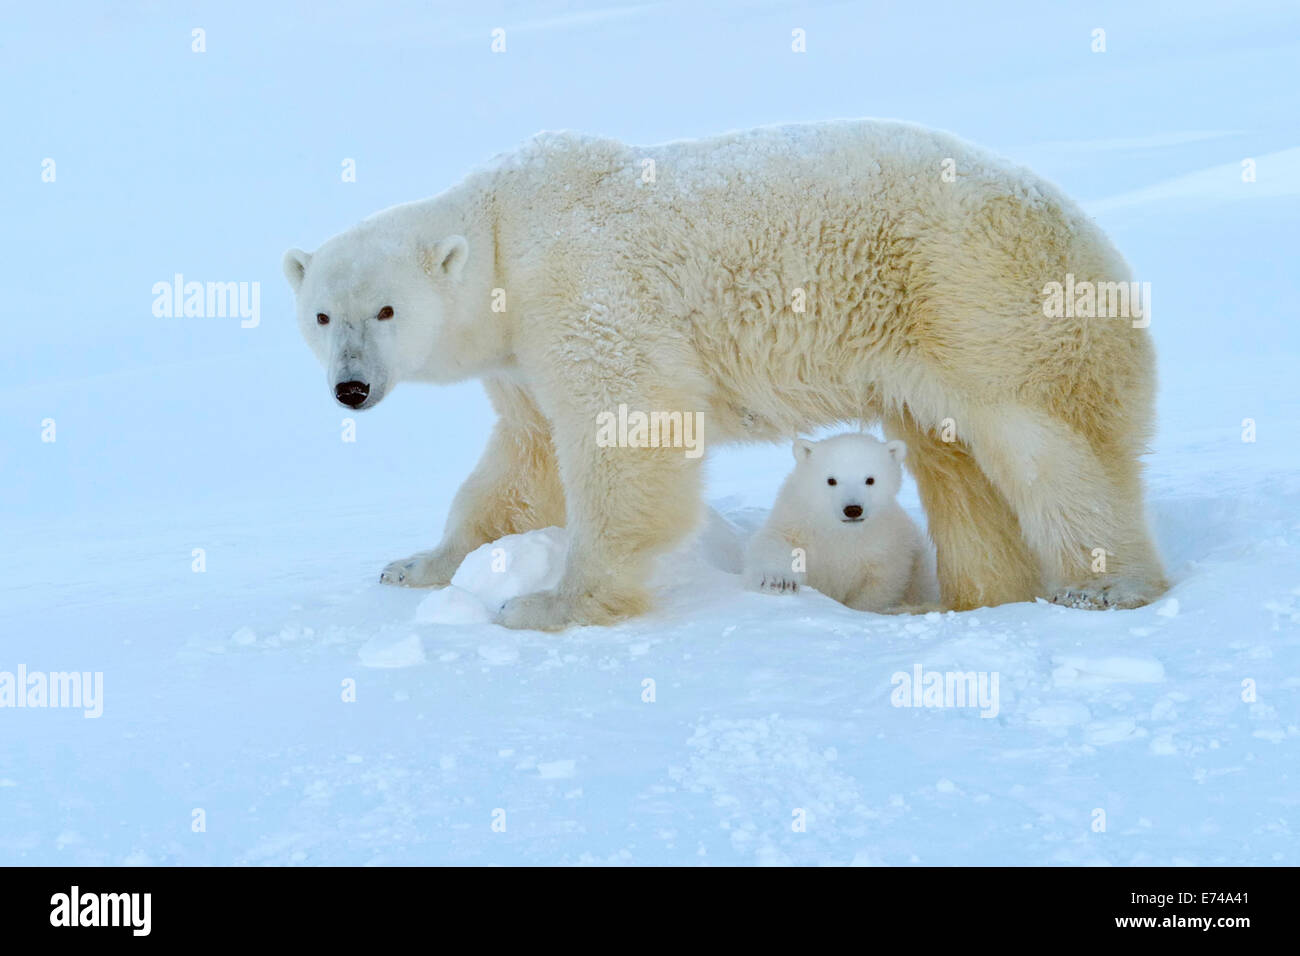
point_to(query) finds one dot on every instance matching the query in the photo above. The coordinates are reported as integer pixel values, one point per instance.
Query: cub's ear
(295, 264)
(446, 257)
(802, 449)
(897, 449)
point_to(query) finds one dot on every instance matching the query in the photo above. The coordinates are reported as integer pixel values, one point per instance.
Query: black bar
(950, 905)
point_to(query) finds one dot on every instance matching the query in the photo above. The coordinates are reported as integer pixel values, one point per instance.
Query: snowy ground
(223, 691)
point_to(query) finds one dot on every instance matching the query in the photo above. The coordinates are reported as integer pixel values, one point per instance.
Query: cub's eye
(871, 481)
(830, 481)
(385, 313)
(322, 318)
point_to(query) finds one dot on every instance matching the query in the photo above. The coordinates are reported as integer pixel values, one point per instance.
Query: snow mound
(493, 574)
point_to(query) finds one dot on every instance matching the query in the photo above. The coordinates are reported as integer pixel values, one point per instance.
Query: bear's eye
(385, 313)
(322, 318)
(830, 481)
(871, 481)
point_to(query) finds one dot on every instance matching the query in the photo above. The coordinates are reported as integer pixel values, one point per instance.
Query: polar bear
(767, 283)
(837, 526)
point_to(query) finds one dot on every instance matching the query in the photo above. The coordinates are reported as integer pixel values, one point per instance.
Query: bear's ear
(802, 449)
(295, 264)
(446, 257)
(897, 449)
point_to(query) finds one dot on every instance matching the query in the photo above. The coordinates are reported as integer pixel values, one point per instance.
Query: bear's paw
(1117, 595)
(560, 608)
(778, 580)
(428, 569)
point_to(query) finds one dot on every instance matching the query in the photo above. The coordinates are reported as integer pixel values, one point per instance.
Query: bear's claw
(774, 582)
(1116, 596)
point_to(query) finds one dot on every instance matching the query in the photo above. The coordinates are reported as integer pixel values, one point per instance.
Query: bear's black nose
(351, 394)
(853, 511)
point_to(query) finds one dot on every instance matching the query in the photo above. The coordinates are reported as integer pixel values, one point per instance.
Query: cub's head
(846, 478)
(378, 311)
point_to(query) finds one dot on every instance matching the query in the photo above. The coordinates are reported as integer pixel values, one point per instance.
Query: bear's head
(378, 310)
(844, 480)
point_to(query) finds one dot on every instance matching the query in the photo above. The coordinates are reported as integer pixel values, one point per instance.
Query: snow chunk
(498, 653)
(1111, 731)
(516, 564)
(1060, 714)
(405, 651)
(1085, 670)
(493, 574)
(557, 769)
(452, 605)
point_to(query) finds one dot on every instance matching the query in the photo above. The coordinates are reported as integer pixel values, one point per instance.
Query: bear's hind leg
(1085, 527)
(1133, 572)
(981, 556)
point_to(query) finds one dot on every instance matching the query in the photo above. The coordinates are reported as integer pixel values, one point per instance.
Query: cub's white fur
(837, 526)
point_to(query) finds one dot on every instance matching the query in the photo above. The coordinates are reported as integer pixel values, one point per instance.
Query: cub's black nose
(853, 511)
(351, 394)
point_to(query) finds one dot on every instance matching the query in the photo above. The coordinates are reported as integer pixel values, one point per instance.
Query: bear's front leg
(625, 506)
(514, 488)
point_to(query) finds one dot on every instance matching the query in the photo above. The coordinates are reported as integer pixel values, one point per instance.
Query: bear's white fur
(837, 527)
(773, 281)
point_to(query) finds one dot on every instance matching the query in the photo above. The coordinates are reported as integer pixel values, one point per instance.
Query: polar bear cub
(837, 527)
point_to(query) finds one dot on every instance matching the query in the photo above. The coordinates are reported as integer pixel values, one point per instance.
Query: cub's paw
(428, 569)
(1118, 595)
(773, 580)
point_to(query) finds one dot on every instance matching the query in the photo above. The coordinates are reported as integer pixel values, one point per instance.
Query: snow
(317, 717)
(493, 574)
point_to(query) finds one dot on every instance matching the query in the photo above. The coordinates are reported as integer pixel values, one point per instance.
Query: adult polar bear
(774, 280)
